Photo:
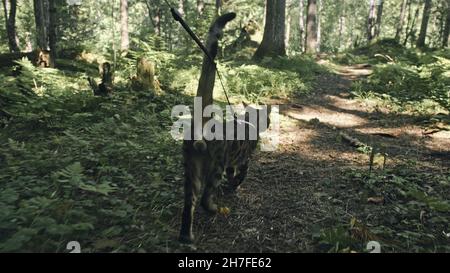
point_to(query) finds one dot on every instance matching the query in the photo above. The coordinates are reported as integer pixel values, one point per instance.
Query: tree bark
(401, 20)
(319, 26)
(124, 35)
(424, 25)
(311, 27)
(371, 21)
(157, 20)
(52, 32)
(218, 7)
(341, 24)
(10, 22)
(273, 43)
(288, 23)
(379, 18)
(446, 32)
(411, 25)
(155, 17)
(45, 15)
(41, 19)
(301, 24)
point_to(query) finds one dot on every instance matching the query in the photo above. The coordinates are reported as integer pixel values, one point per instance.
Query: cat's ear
(245, 104)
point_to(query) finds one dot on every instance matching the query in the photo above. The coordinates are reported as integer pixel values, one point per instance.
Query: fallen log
(38, 57)
(351, 140)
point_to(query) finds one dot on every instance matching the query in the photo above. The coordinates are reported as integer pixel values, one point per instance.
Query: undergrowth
(104, 171)
(101, 171)
(411, 212)
(409, 81)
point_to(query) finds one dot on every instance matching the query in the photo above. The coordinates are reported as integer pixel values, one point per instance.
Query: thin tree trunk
(218, 7)
(169, 39)
(379, 18)
(52, 32)
(273, 43)
(301, 24)
(45, 14)
(341, 24)
(401, 20)
(157, 20)
(319, 26)
(40, 14)
(442, 23)
(155, 16)
(265, 13)
(10, 22)
(124, 35)
(311, 27)
(410, 28)
(371, 21)
(28, 43)
(446, 32)
(288, 23)
(424, 25)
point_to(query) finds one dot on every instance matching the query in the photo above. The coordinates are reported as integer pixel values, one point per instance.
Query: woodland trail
(293, 193)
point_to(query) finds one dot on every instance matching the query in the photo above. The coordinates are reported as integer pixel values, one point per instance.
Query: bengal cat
(205, 162)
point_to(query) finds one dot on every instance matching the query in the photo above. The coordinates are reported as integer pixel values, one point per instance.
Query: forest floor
(316, 192)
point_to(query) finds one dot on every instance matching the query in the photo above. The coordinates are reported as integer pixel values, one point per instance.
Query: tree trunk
(410, 27)
(218, 7)
(311, 27)
(379, 18)
(40, 16)
(52, 32)
(124, 35)
(371, 21)
(319, 26)
(10, 22)
(288, 23)
(341, 24)
(45, 14)
(446, 32)
(401, 20)
(28, 42)
(301, 24)
(273, 43)
(155, 17)
(157, 20)
(424, 25)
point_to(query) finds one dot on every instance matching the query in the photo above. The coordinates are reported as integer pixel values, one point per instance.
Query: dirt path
(292, 193)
